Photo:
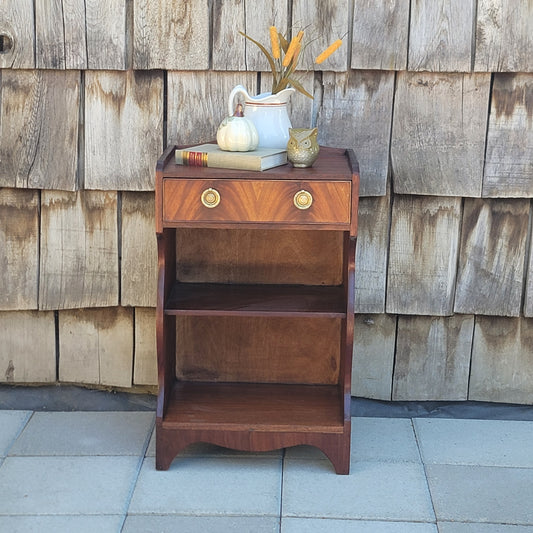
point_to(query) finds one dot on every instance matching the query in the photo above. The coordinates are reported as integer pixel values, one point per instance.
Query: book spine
(191, 159)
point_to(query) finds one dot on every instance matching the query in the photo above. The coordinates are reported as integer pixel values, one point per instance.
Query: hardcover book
(210, 155)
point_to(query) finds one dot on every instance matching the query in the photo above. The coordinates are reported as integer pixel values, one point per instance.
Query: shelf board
(211, 299)
(255, 407)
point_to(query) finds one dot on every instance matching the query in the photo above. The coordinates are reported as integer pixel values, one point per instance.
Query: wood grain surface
(509, 158)
(36, 151)
(268, 407)
(96, 346)
(17, 22)
(491, 262)
(366, 97)
(502, 360)
(372, 254)
(259, 256)
(197, 102)
(440, 36)
(433, 358)
(257, 201)
(107, 35)
(145, 359)
(138, 267)
(27, 347)
(78, 250)
(423, 255)
(171, 35)
(19, 249)
(371, 21)
(260, 350)
(323, 21)
(126, 109)
(229, 47)
(528, 300)
(504, 36)
(373, 355)
(438, 133)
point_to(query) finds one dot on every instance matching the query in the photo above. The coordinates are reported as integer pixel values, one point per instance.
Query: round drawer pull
(210, 198)
(303, 199)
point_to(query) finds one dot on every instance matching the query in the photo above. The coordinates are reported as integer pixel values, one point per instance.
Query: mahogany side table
(255, 306)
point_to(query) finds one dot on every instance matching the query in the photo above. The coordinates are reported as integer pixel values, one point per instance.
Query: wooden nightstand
(255, 306)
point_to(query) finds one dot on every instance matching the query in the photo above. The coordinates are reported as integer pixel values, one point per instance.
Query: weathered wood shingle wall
(434, 96)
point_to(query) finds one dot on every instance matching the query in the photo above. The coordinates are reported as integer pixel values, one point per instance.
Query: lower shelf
(254, 407)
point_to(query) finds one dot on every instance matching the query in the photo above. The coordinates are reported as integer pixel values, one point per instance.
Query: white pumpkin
(237, 133)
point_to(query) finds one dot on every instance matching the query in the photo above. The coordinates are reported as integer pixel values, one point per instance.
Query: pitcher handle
(238, 89)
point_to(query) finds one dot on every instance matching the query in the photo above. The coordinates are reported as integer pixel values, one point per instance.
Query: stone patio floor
(93, 471)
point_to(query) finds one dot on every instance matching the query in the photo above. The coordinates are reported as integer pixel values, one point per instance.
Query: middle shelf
(212, 299)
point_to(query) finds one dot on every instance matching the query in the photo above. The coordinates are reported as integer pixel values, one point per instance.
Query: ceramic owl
(302, 148)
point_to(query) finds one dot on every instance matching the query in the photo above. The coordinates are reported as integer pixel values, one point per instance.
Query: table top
(332, 164)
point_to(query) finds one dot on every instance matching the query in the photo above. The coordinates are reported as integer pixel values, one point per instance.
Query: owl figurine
(302, 148)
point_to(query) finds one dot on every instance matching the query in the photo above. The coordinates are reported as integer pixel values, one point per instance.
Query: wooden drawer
(257, 201)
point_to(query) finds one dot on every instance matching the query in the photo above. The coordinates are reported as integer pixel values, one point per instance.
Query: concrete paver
(476, 442)
(210, 486)
(66, 485)
(85, 433)
(94, 471)
(384, 439)
(318, 525)
(482, 493)
(373, 490)
(12, 423)
(61, 523)
(462, 527)
(201, 524)
(373, 439)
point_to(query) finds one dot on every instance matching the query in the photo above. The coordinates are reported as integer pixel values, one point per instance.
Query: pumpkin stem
(238, 111)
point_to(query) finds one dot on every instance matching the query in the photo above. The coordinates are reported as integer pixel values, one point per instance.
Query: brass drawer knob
(303, 199)
(210, 198)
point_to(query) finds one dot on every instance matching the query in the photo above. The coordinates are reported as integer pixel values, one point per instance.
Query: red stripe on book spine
(195, 159)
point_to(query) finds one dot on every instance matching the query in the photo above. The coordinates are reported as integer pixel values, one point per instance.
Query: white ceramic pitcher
(269, 114)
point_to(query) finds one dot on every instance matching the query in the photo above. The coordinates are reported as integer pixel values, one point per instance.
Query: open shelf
(254, 407)
(256, 300)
